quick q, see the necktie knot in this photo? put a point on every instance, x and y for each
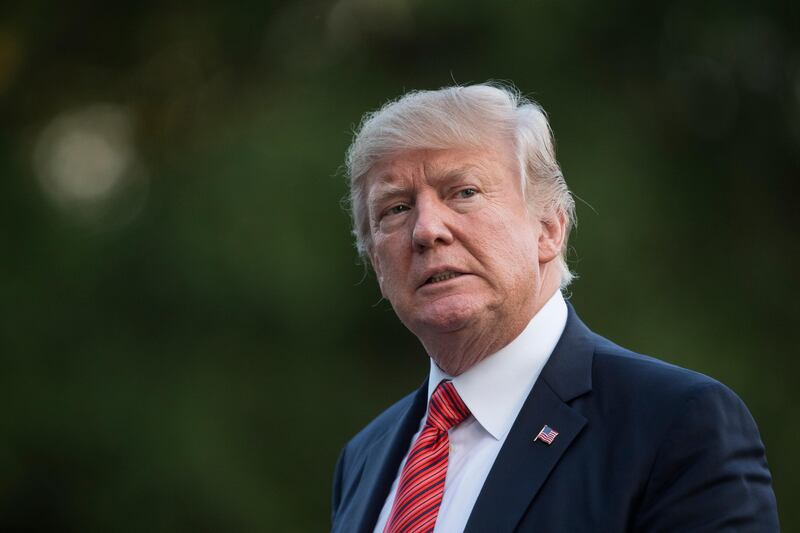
(446, 408)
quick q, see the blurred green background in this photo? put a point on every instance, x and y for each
(186, 336)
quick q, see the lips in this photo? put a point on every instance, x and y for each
(449, 274)
(433, 276)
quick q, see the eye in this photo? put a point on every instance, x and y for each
(396, 209)
(469, 192)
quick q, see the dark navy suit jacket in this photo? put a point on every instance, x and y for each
(642, 445)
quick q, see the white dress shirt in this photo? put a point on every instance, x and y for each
(494, 390)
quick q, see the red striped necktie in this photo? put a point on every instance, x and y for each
(419, 493)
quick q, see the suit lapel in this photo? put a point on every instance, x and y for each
(523, 465)
(381, 465)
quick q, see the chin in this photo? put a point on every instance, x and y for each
(445, 315)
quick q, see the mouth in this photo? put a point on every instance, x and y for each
(442, 276)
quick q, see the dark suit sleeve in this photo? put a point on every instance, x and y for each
(710, 473)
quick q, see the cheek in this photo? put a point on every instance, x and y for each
(513, 258)
(510, 239)
(390, 269)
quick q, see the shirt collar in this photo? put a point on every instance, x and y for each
(496, 387)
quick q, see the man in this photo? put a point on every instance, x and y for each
(528, 421)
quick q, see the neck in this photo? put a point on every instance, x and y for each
(455, 352)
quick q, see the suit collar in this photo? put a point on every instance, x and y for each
(569, 370)
(524, 464)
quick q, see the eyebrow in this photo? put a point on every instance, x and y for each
(388, 188)
(461, 171)
(383, 191)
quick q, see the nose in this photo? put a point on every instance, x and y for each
(432, 225)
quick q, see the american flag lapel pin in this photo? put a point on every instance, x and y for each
(547, 435)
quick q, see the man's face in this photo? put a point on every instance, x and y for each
(453, 244)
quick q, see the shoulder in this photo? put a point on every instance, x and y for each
(693, 436)
(352, 457)
(379, 426)
(656, 403)
(616, 369)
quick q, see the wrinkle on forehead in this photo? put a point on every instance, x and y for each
(393, 173)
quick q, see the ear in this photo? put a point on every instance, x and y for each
(553, 231)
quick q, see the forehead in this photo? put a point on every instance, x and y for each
(400, 169)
